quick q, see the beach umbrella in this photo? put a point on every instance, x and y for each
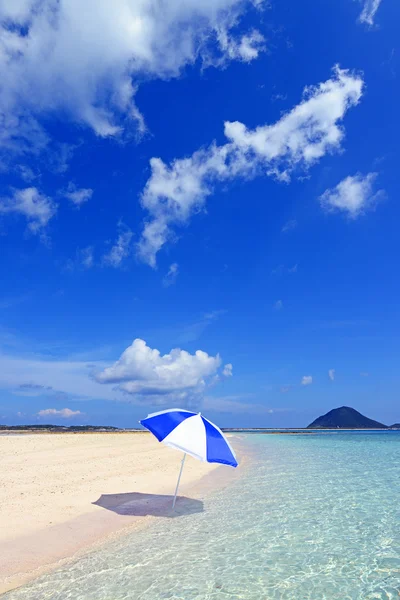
(191, 433)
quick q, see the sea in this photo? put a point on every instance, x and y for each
(312, 517)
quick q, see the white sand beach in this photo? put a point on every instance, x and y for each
(62, 493)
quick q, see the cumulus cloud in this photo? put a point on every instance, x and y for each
(120, 250)
(174, 377)
(63, 413)
(78, 196)
(175, 192)
(353, 195)
(369, 11)
(171, 276)
(85, 58)
(31, 204)
(306, 380)
(331, 374)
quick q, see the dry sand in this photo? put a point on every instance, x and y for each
(50, 483)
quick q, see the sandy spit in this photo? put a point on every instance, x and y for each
(61, 494)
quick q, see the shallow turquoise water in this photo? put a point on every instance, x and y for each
(315, 517)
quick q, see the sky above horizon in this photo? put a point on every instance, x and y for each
(198, 208)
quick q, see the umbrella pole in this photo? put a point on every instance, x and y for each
(179, 479)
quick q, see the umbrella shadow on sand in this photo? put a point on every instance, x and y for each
(156, 505)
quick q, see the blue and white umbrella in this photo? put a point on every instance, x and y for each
(193, 434)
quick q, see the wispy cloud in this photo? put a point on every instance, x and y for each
(281, 269)
(31, 204)
(227, 370)
(84, 259)
(63, 413)
(193, 331)
(278, 305)
(170, 277)
(289, 226)
(41, 376)
(77, 196)
(370, 8)
(306, 380)
(353, 195)
(120, 250)
(175, 192)
(285, 389)
(237, 404)
(331, 374)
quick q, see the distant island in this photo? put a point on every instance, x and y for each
(346, 417)
(59, 428)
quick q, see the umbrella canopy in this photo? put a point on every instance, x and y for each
(191, 433)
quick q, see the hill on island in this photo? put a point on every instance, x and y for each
(345, 418)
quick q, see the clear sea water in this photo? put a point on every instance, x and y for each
(315, 517)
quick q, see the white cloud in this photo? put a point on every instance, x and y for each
(120, 250)
(369, 11)
(77, 195)
(245, 48)
(289, 226)
(174, 193)
(85, 58)
(331, 374)
(354, 195)
(278, 305)
(64, 413)
(227, 370)
(141, 374)
(177, 376)
(171, 276)
(306, 380)
(30, 203)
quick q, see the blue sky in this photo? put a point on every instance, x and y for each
(198, 208)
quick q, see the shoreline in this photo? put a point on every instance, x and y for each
(46, 548)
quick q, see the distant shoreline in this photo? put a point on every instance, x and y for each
(33, 430)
